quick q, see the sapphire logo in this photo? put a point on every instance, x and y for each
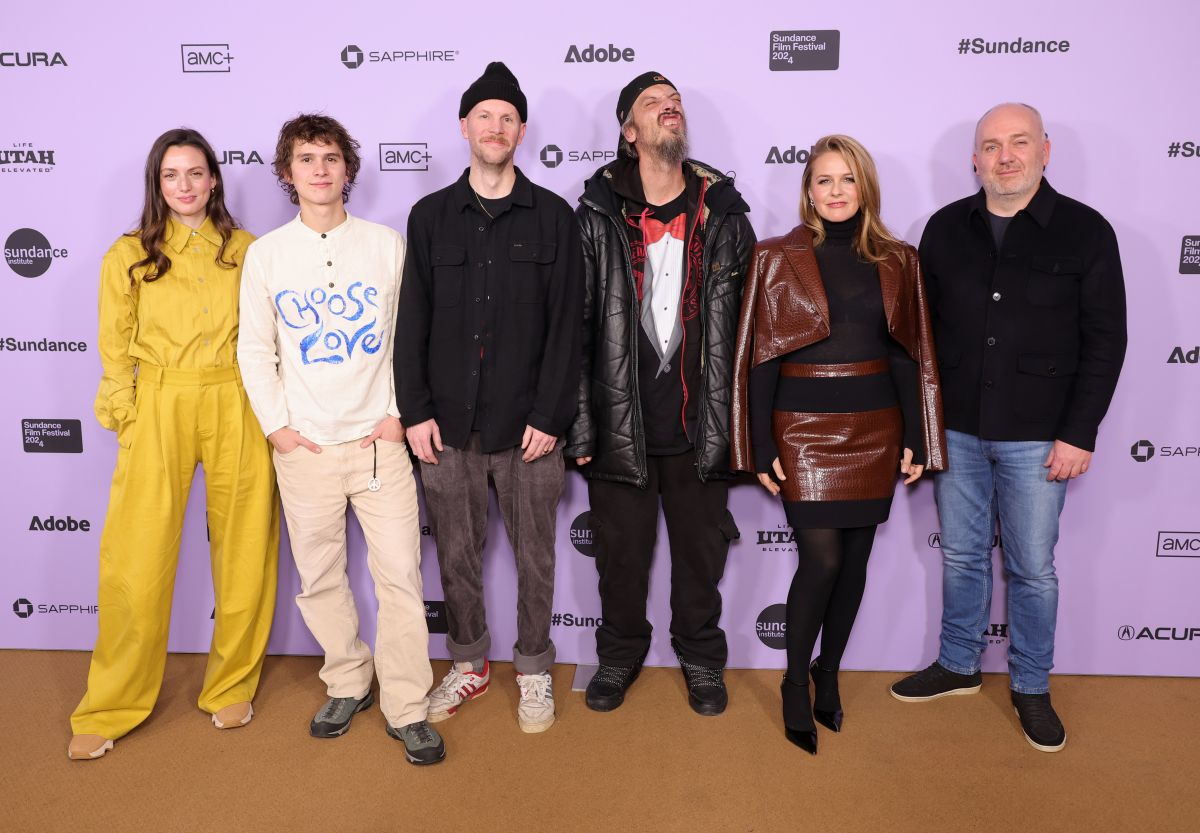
(23, 608)
(552, 156)
(205, 57)
(352, 57)
(582, 537)
(771, 627)
(1142, 450)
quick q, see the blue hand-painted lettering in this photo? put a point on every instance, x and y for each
(317, 311)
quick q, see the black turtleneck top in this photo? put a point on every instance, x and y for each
(857, 333)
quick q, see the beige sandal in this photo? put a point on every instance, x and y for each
(231, 717)
(88, 747)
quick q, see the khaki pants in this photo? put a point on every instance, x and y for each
(315, 489)
(184, 418)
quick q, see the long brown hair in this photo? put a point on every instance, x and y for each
(874, 242)
(152, 229)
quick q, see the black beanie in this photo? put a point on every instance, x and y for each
(496, 82)
(635, 88)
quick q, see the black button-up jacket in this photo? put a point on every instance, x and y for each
(490, 316)
(1030, 337)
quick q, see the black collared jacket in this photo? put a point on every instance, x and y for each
(608, 426)
(1031, 336)
(490, 316)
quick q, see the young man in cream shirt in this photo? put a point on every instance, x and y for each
(318, 299)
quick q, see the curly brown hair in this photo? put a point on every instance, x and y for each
(320, 129)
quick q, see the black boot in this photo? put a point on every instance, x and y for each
(827, 703)
(798, 716)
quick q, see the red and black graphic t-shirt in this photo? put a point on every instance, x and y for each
(667, 246)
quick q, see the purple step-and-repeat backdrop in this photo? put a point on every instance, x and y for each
(85, 90)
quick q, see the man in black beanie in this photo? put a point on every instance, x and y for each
(667, 245)
(487, 363)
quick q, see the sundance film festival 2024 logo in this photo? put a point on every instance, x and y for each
(796, 50)
(435, 616)
(29, 253)
(52, 436)
(1189, 255)
(26, 158)
(353, 56)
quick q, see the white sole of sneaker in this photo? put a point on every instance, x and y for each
(93, 755)
(438, 717)
(1039, 747)
(535, 728)
(951, 693)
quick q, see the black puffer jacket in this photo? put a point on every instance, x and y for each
(608, 425)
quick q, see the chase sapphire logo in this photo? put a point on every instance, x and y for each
(352, 57)
(551, 156)
(1142, 450)
(23, 608)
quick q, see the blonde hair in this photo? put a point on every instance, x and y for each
(874, 242)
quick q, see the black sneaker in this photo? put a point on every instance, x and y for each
(333, 720)
(422, 743)
(1039, 722)
(934, 682)
(606, 691)
(706, 687)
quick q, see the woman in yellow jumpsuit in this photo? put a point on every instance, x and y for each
(172, 392)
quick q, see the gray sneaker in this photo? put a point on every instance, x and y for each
(333, 720)
(422, 743)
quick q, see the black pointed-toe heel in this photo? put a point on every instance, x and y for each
(827, 705)
(798, 715)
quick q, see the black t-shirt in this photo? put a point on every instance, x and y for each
(999, 226)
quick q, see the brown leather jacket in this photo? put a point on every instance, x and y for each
(784, 308)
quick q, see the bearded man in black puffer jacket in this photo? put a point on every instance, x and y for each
(666, 248)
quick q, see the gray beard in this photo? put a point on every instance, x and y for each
(673, 149)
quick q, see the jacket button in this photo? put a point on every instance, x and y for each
(1052, 370)
(991, 342)
(987, 384)
(995, 296)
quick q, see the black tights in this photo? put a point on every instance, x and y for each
(825, 594)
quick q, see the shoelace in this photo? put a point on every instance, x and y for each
(332, 711)
(422, 733)
(613, 674)
(534, 686)
(457, 682)
(699, 677)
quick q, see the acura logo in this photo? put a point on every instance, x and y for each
(1125, 632)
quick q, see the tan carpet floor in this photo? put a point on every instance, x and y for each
(1132, 761)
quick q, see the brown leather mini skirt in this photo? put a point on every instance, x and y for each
(845, 456)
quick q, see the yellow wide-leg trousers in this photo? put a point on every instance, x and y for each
(183, 418)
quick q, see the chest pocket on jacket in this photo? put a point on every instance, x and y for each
(1053, 281)
(529, 273)
(447, 263)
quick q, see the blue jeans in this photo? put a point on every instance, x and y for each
(986, 479)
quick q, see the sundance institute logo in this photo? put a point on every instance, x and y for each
(771, 627)
(582, 538)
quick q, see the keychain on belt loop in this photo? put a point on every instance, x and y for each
(374, 484)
